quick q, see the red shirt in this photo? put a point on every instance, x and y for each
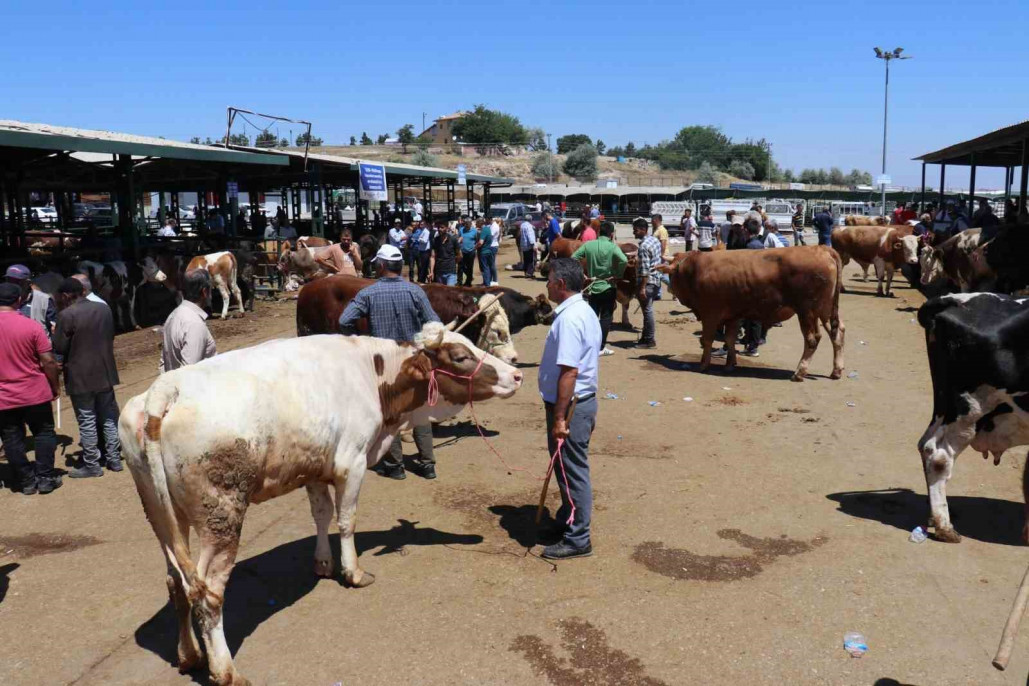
(589, 234)
(22, 381)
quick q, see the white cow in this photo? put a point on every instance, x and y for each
(208, 440)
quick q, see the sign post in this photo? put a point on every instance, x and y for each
(462, 175)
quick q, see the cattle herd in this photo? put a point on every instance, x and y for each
(205, 441)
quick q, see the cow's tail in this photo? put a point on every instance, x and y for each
(152, 485)
(834, 317)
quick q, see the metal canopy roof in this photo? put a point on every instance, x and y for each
(16, 134)
(394, 168)
(1000, 148)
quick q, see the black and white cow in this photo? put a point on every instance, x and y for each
(978, 345)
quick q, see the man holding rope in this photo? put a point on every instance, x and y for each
(568, 370)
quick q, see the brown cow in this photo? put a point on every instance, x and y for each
(222, 268)
(768, 286)
(886, 247)
(952, 260)
(862, 220)
(312, 242)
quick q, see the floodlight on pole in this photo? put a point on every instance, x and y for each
(886, 56)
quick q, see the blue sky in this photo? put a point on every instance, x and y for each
(802, 75)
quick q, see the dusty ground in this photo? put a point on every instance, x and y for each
(737, 537)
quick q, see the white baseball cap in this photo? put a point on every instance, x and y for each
(389, 253)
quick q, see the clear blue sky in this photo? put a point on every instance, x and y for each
(802, 74)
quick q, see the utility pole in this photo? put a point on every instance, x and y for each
(886, 57)
(423, 121)
(550, 154)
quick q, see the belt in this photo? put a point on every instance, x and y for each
(579, 398)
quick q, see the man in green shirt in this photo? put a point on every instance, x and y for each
(605, 263)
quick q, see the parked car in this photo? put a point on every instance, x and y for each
(535, 218)
(80, 211)
(42, 214)
(509, 212)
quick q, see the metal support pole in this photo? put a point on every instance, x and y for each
(485, 199)
(943, 177)
(921, 203)
(1023, 185)
(450, 200)
(886, 105)
(971, 187)
(469, 191)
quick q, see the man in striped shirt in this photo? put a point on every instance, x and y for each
(648, 281)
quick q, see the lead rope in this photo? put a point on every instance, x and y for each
(433, 399)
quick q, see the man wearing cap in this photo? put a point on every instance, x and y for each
(84, 338)
(35, 304)
(397, 310)
(29, 380)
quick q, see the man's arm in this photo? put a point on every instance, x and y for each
(421, 301)
(618, 262)
(63, 333)
(327, 264)
(565, 390)
(355, 255)
(195, 344)
(53, 374)
(356, 310)
(580, 252)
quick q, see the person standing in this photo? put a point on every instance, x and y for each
(725, 228)
(527, 246)
(443, 267)
(705, 233)
(772, 238)
(280, 216)
(568, 370)
(35, 304)
(343, 257)
(605, 262)
(797, 224)
(397, 310)
(187, 340)
(168, 230)
(421, 250)
(822, 221)
(589, 233)
(752, 329)
(84, 339)
(487, 258)
(553, 229)
(29, 380)
(87, 289)
(648, 282)
(469, 237)
(689, 233)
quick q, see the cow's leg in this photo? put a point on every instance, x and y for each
(190, 656)
(321, 510)
(732, 329)
(939, 447)
(809, 329)
(234, 285)
(625, 312)
(348, 487)
(223, 289)
(707, 338)
(880, 274)
(836, 337)
(889, 278)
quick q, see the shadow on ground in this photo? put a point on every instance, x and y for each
(272, 581)
(985, 519)
(690, 362)
(5, 581)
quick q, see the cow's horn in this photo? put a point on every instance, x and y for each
(437, 342)
(451, 325)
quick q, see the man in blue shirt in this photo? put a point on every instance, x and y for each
(397, 310)
(823, 225)
(487, 258)
(469, 237)
(568, 370)
(553, 228)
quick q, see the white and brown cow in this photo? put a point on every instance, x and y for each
(977, 359)
(954, 261)
(208, 440)
(222, 268)
(888, 248)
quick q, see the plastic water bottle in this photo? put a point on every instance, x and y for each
(917, 535)
(854, 643)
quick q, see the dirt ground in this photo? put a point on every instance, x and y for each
(737, 537)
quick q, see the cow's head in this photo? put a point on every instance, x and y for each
(931, 262)
(151, 272)
(542, 310)
(495, 336)
(907, 246)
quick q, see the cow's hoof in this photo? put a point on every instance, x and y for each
(189, 663)
(323, 568)
(947, 536)
(799, 377)
(836, 374)
(358, 579)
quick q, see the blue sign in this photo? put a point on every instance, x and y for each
(373, 182)
(462, 178)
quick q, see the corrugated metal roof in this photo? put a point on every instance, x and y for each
(620, 191)
(17, 134)
(1000, 148)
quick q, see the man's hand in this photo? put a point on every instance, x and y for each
(560, 430)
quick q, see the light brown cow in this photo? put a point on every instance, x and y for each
(862, 220)
(953, 260)
(887, 248)
(767, 286)
(222, 268)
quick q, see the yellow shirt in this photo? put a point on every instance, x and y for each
(661, 234)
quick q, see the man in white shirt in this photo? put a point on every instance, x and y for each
(568, 370)
(187, 339)
(772, 237)
(418, 209)
(539, 206)
(87, 288)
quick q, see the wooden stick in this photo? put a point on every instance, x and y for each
(546, 482)
(1007, 639)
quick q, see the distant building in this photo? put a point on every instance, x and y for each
(442, 130)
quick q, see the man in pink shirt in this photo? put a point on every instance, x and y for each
(590, 232)
(28, 382)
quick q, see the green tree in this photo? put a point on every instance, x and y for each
(568, 143)
(741, 169)
(821, 177)
(544, 166)
(490, 130)
(787, 176)
(701, 143)
(616, 151)
(757, 153)
(353, 141)
(283, 143)
(582, 162)
(381, 140)
(195, 140)
(239, 139)
(630, 149)
(365, 140)
(537, 139)
(423, 158)
(836, 177)
(405, 135)
(809, 176)
(302, 140)
(423, 142)
(706, 173)
(266, 139)
(600, 147)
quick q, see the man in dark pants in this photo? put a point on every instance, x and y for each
(397, 310)
(443, 266)
(568, 369)
(754, 333)
(28, 382)
(84, 339)
(605, 262)
(468, 237)
(648, 280)
(822, 222)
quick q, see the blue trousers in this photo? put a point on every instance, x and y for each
(488, 266)
(575, 452)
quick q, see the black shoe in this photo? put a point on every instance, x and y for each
(566, 551)
(115, 465)
(646, 345)
(29, 488)
(426, 470)
(49, 484)
(86, 472)
(724, 352)
(394, 472)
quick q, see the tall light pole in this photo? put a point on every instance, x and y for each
(886, 57)
(550, 154)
